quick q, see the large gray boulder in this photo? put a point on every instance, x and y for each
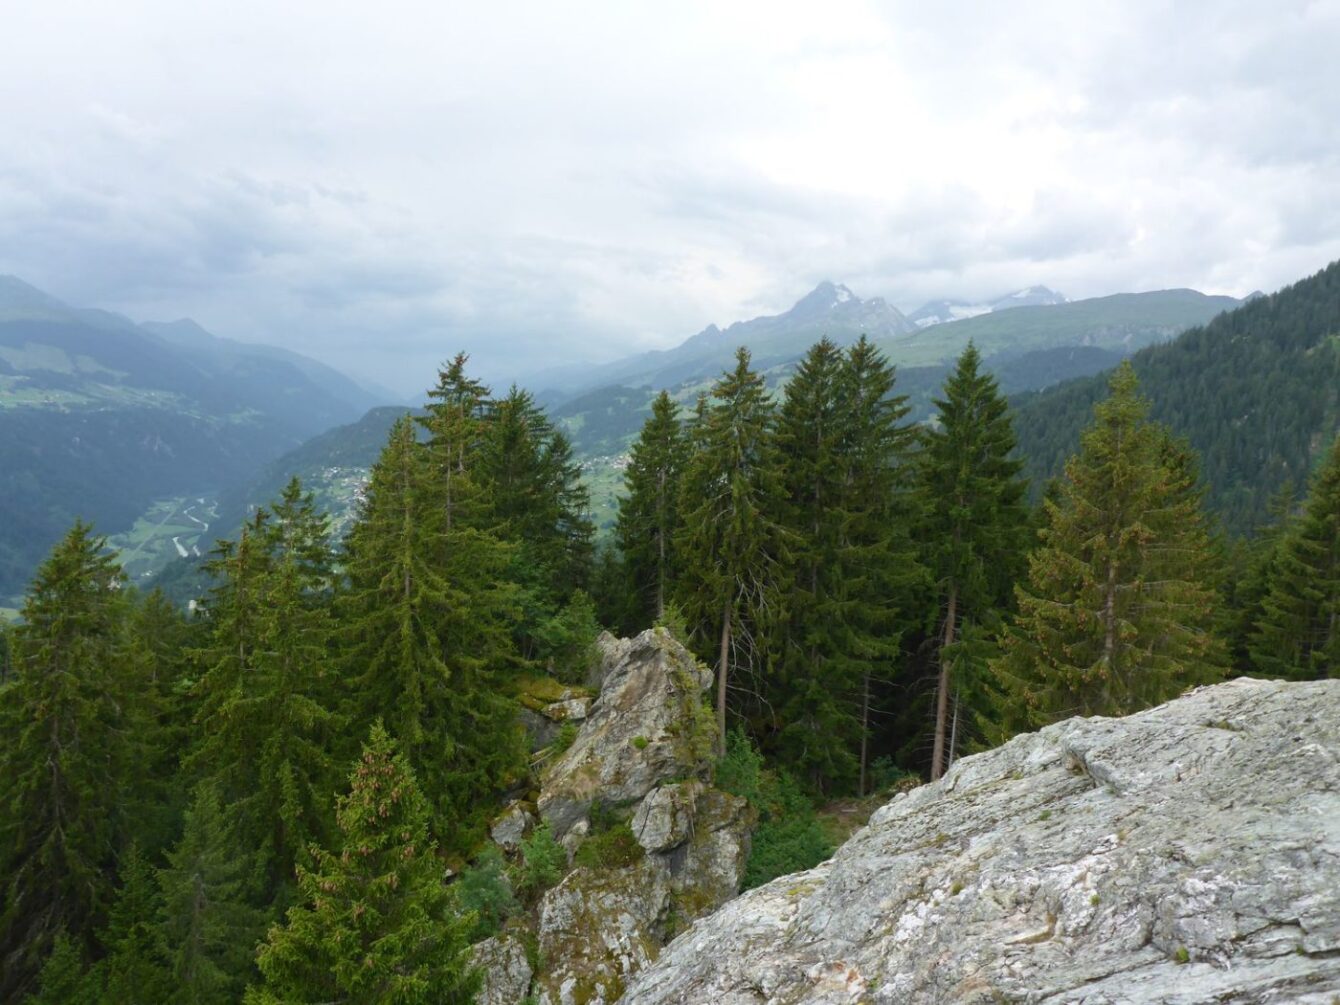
(646, 727)
(1187, 854)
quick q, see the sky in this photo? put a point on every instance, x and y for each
(380, 185)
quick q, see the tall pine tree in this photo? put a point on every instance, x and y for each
(206, 928)
(267, 701)
(425, 636)
(65, 765)
(1118, 611)
(975, 520)
(649, 511)
(731, 545)
(376, 921)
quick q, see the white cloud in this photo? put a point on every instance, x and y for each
(381, 184)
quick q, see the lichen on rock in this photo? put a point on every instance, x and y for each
(1156, 858)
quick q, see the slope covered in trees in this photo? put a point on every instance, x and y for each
(174, 787)
(1256, 392)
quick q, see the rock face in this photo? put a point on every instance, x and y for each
(633, 780)
(642, 730)
(1190, 853)
(505, 969)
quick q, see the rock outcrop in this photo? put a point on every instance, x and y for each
(664, 847)
(646, 727)
(1190, 853)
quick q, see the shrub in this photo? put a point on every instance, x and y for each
(614, 848)
(740, 771)
(567, 735)
(484, 889)
(788, 837)
(543, 862)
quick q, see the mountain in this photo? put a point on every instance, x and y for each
(1256, 391)
(943, 311)
(829, 309)
(1027, 347)
(1123, 322)
(102, 418)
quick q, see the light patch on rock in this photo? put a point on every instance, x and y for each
(1187, 854)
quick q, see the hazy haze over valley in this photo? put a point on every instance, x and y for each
(379, 187)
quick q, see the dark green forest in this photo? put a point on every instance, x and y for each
(1256, 392)
(260, 801)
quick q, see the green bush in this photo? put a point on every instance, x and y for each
(484, 890)
(543, 862)
(567, 735)
(740, 771)
(568, 639)
(614, 848)
(788, 837)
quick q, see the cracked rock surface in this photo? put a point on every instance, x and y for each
(1186, 854)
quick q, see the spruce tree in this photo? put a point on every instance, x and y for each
(375, 923)
(65, 979)
(206, 928)
(456, 419)
(425, 630)
(975, 521)
(817, 678)
(537, 504)
(884, 578)
(267, 715)
(730, 544)
(649, 511)
(134, 971)
(66, 761)
(1298, 634)
(1118, 611)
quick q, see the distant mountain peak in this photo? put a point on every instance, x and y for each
(941, 311)
(823, 298)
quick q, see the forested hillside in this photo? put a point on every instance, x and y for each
(1256, 391)
(264, 799)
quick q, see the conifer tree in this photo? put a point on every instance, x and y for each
(1117, 614)
(730, 545)
(156, 643)
(883, 576)
(1298, 635)
(134, 970)
(296, 529)
(649, 511)
(65, 763)
(426, 635)
(206, 928)
(65, 979)
(816, 677)
(975, 520)
(375, 923)
(456, 421)
(539, 506)
(266, 716)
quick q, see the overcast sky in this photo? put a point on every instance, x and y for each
(379, 184)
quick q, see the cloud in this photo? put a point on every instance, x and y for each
(536, 183)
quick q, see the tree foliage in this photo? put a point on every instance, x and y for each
(375, 922)
(1118, 610)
